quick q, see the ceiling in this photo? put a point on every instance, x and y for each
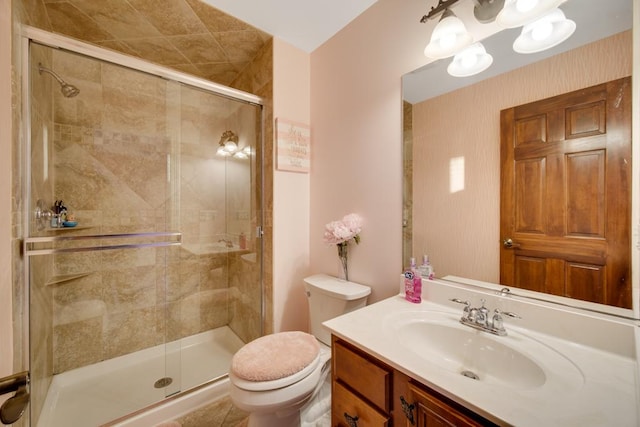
(305, 24)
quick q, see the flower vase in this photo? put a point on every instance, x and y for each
(342, 254)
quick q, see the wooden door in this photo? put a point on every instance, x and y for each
(565, 194)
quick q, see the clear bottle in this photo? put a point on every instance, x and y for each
(426, 269)
(412, 283)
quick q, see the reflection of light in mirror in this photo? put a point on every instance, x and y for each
(456, 174)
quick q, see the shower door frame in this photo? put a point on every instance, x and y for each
(56, 41)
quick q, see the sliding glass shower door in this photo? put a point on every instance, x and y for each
(143, 248)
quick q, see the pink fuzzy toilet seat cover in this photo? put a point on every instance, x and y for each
(275, 356)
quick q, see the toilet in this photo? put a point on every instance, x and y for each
(274, 376)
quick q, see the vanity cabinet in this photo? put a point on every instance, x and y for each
(361, 388)
(432, 410)
(369, 393)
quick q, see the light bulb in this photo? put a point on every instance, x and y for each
(524, 6)
(230, 146)
(222, 152)
(469, 60)
(541, 31)
(240, 155)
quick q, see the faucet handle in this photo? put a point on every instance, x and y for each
(466, 310)
(507, 313)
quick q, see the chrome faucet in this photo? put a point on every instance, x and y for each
(478, 318)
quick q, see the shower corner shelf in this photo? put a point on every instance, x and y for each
(65, 278)
(59, 229)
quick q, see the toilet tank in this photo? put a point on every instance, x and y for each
(331, 297)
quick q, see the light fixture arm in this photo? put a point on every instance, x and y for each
(438, 9)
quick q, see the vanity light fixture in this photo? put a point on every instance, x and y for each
(544, 26)
(228, 146)
(472, 60)
(517, 13)
(544, 33)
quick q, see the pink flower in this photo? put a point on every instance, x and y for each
(338, 232)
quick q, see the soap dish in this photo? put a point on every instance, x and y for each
(70, 223)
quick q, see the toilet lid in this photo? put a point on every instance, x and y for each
(278, 359)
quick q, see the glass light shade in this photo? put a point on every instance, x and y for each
(545, 33)
(448, 37)
(516, 13)
(230, 146)
(470, 61)
(222, 152)
(240, 155)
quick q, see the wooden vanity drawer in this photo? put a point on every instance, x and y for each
(346, 404)
(369, 379)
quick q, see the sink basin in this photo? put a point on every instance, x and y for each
(514, 361)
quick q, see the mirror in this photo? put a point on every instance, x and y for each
(452, 139)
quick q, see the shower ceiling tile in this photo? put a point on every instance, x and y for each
(187, 35)
(156, 50)
(240, 46)
(118, 18)
(223, 72)
(199, 48)
(69, 20)
(174, 18)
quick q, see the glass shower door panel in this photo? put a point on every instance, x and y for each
(103, 160)
(97, 328)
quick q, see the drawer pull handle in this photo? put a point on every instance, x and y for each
(408, 408)
(352, 421)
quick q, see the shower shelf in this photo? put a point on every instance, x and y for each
(56, 230)
(65, 278)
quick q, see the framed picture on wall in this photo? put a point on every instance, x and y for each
(293, 144)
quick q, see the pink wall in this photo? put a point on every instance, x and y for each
(290, 194)
(356, 116)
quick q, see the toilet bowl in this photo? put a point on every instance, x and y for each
(276, 375)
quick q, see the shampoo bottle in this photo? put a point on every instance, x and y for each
(412, 283)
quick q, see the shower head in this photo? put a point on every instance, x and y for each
(68, 91)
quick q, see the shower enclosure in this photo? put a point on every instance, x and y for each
(143, 246)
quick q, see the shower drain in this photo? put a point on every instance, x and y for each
(470, 374)
(163, 382)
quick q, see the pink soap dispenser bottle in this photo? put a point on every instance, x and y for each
(412, 283)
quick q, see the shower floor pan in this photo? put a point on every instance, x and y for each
(102, 392)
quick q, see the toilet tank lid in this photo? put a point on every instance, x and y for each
(337, 288)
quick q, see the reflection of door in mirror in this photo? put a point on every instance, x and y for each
(565, 191)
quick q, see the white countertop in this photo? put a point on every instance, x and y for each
(606, 394)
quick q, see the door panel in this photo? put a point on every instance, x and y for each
(565, 194)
